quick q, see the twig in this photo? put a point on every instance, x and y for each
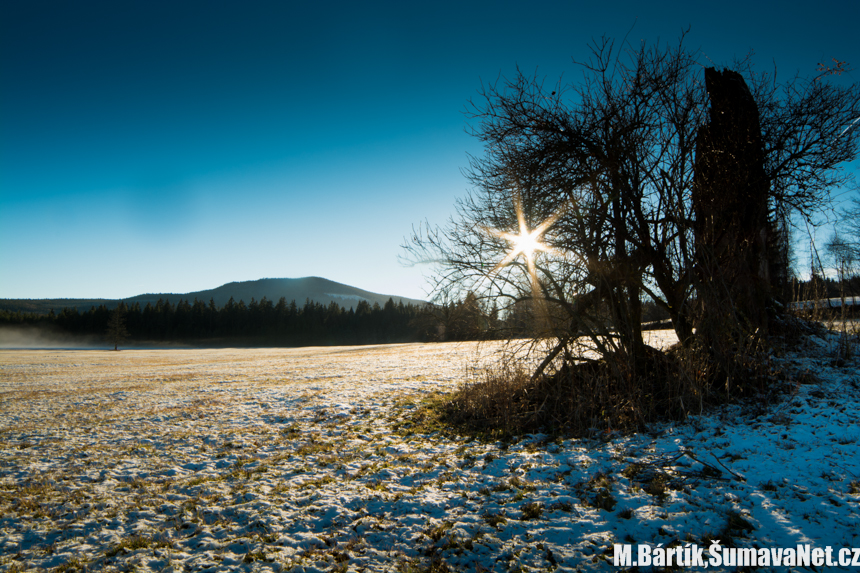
(737, 476)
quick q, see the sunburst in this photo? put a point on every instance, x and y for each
(526, 243)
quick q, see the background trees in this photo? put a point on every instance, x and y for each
(844, 245)
(257, 323)
(606, 170)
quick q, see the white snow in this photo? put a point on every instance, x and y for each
(287, 459)
(824, 303)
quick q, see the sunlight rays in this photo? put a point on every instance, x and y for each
(526, 243)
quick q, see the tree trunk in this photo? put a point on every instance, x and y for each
(730, 203)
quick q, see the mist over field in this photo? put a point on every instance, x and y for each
(12, 337)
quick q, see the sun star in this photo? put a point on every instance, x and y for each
(526, 242)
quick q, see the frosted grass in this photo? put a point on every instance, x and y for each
(289, 460)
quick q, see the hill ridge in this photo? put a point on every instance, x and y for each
(316, 289)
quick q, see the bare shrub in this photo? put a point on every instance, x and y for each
(630, 187)
(585, 397)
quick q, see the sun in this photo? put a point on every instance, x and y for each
(526, 243)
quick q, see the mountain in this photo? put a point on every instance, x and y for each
(316, 289)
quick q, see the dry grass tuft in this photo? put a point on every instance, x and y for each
(618, 393)
(577, 399)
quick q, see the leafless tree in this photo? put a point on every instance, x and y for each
(601, 175)
(849, 238)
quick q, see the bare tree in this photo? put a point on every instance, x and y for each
(843, 255)
(584, 200)
(850, 224)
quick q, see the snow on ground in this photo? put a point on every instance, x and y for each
(288, 460)
(835, 302)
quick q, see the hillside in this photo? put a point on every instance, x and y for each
(314, 288)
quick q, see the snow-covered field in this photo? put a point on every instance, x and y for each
(288, 460)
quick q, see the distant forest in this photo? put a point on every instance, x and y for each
(267, 323)
(819, 288)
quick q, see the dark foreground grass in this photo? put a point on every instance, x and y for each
(598, 397)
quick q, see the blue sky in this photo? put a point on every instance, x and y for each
(176, 146)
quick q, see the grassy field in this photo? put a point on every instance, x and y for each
(306, 460)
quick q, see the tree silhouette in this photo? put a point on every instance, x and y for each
(116, 329)
(607, 179)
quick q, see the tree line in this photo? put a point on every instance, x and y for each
(257, 322)
(283, 323)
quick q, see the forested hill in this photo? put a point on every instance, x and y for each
(261, 322)
(319, 290)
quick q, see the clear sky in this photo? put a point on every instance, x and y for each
(175, 146)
